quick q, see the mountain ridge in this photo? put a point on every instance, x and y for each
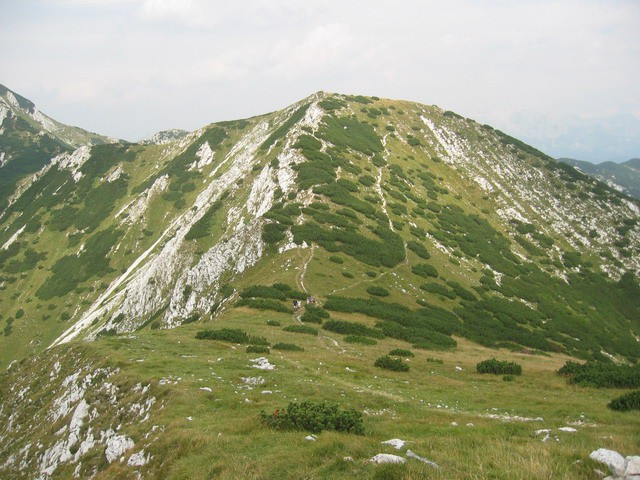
(140, 284)
(624, 176)
(275, 150)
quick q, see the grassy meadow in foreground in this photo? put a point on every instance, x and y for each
(218, 433)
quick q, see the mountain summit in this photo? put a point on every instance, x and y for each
(396, 223)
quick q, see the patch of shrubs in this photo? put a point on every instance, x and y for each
(393, 364)
(499, 367)
(203, 226)
(401, 352)
(626, 402)
(360, 339)
(439, 361)
(352, 328)
(278, 291)
(264, 304)
(315, 417)
(438, 289)
(601, 375)
(233, 335)
(273, 323)
(387, 251)
(418, 249)
(377, 291)
(258, 349)
(424, 270)
(301, 329)
(291, 347)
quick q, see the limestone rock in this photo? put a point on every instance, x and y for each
(395, 442)
(632, 466)
(410, 454)
(611, 459)
(116, 446)
(387, 458)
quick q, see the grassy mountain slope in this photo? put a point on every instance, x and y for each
(29, 139)
(624, 176)
(413, 228)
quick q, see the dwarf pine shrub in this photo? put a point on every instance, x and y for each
(290, 347)
(401, 352)
(360, 339)
(393, 364)
(301, 329)
(499, 367)
(626, 402)
(315, 417)
(601, 375)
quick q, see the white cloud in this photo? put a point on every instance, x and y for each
(164, 8)
(566, 59)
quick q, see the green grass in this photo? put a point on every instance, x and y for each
(227, 437)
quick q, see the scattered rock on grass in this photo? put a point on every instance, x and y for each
(262, 363)
(410, 454)
(568, 429)
(387, 458)
(621, 468)
(395, 442)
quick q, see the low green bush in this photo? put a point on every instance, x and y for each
(301, 329)
(258, 349)
(352, 328)
(360, 339)
(401, 352)
(233, 335)
(393, 364)
(273, 323)
(626, 402)
(418, 249)
(424, 270)
(315, 417)
(601, 375)
(435, 360)
(291, 347)
(377, 291)
(264, 304)
(499, 367)
(309, 317)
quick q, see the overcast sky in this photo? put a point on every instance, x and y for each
(562, 75)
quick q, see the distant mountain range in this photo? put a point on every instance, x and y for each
(624, 177)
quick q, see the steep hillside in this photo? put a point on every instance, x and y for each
(152, 233)
(410, 226)
(624, 176)
(29, 139)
